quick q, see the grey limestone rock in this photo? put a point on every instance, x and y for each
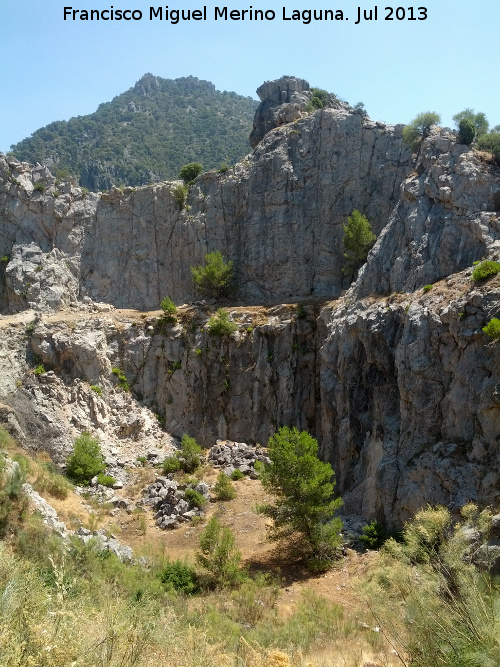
(282, 101)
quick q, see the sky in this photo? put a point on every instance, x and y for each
(54, 69)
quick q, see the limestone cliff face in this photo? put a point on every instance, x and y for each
(445, 219)
(399, 386)
(278, 216)
(409, 399)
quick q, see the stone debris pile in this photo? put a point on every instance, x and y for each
(171, 503)
(231, 456)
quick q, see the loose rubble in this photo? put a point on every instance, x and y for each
(231, 456)
(168, 498)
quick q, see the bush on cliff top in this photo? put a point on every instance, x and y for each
(490, 142)
(419, 128)
(220, 324)
(492, 329)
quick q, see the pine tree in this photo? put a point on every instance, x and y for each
(358, 239)
(303, 487)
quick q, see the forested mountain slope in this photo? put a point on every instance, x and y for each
(146, 134)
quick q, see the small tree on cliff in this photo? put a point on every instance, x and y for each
(190, 171)
(419, 128)
(216, 278)
(358, 239)
(478, 119)
(303, 488)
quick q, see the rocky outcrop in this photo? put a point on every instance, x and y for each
(409, 405)
(282, 101)
(232, 456)
(49, 409)
(445, 219)
(171, 505)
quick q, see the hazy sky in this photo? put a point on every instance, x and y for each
(53, 69)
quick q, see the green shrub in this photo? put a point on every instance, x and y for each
(466, 132)
(87, 460)
(218, 555)
(97, 389)
(374, 535)
(190, 454)
(418, 130)
(12, 500)
(301, 312)
(319, 99)
(195, 498)
(122, 379)
(423, 537)
(39, 187)
(358, 239)
(105, 480)
(321, 95)
(216, 278)
(492, 329)
(427, 288)
(438, 607)
(223, 168)
(223, 487)
(485, 270)
(190, 171)
(23, 462)
(171, 464)
(179, 576)
(490, 142)
(220, 324)
(179, 193)
(237, 475)
(39, 369)
(168, 306)
(478, 121)
(50, 481)
(5, 259)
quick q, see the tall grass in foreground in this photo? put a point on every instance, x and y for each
(74, 605)
(71, 604)
(432, 602)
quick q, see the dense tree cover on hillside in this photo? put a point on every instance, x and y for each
(146, 134)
